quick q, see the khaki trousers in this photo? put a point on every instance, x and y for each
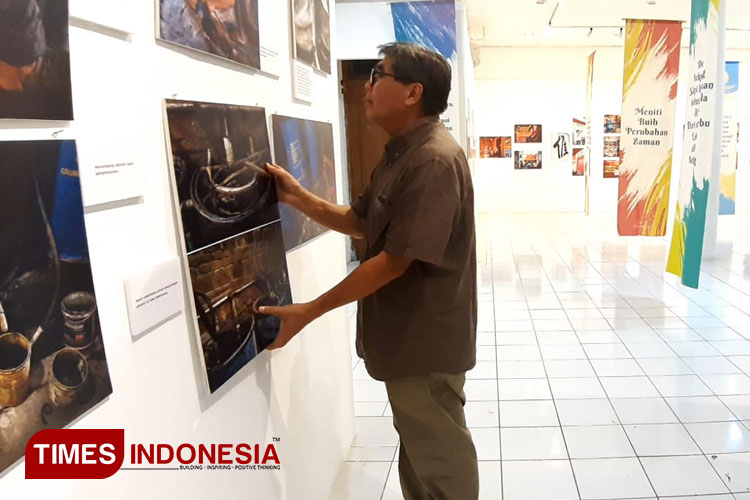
(437, 458)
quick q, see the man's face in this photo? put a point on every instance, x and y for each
(387, 97)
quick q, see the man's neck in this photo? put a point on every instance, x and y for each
(401, 124)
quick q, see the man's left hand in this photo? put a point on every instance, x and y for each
(293, 319)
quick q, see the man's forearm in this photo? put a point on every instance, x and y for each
(340, 218)
(369, 277)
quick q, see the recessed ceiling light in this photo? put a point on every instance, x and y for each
(541, 2)
(651, 2)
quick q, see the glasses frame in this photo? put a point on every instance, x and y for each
(375, 71)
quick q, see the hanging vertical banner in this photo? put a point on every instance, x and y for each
(433, 25)
(704, 76)
(587, 145)
(649, 90)
(729, 140)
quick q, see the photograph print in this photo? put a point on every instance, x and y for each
(305, 149)
(224, 28)
(611, 124)
(231, 280)
(612, 146)
(527, 160)
(578, 162)
(219, 154)
(528, 134)
(579, 132)
(53, 367)
(560, 146)
(34, 60)
(495, 147)
(611, 169)
(311, 33)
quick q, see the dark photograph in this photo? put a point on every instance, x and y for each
(34, 60)
(231, 280)
(52, 362)
(219, 153)
(225, 28)
(305, 149)
(311, 31)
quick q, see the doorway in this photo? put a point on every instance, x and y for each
(364, 141)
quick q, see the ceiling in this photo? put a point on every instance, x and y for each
(512, 23)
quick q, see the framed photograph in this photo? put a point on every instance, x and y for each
(227, 29)
(612, 147)
(35, 60)
(611, 169)
(311, 33)
(229, 217)
(494, 147)
(579, 132)
(611, 124)
(305, 149)
(47, 296)
(528, 160)
(528, 134)
(578, 162)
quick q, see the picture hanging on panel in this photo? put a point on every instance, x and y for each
(611, 124)
(612, 146)
(611, 169)
(495, 147)
(34, 60)
(230, 221)
(230, 281)
(220, 152)
(578, 162)
(579, 132)
(528, 134)
(225, 28)
(311, 33)
(305, 149)
(52, 362)
(525, 160)
(560, 146)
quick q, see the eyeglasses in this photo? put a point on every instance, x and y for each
(376, 74)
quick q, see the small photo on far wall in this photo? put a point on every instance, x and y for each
(494, 147)
(525, 134)
(612, 147)
(611, 169)
(578, 163)
(611, 124)
(526, 160)
(579, 132)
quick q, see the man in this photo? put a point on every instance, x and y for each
(22, 42)
(416, 320)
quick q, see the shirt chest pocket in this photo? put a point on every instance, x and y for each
(379, 216)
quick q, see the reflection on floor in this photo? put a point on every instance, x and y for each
(598, 375)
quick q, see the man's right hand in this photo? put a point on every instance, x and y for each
(288, 189)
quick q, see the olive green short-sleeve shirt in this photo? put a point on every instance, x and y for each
(420, 204)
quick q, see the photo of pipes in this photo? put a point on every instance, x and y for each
(52, 362)
(34, 60)
(219, 153)
(225, 28)
(231, 280)
(305, 149)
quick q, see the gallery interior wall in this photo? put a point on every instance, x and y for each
(518, 85)
(301, 394)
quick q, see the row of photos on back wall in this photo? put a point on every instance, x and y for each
(53, 366)
(527, 157)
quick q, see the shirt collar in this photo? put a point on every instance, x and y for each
(399, 142)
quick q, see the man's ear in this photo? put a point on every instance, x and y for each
(415, 94)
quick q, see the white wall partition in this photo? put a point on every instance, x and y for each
(301, 394)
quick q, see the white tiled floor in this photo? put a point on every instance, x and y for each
(598, 375)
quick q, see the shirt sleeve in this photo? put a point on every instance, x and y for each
(422, 213)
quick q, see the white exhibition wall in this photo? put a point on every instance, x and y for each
(546, 85)
(301, 394)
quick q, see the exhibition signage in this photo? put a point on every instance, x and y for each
(587, 145)
(705, 78)
(729, 128)
(652, 63)
(433, 25)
